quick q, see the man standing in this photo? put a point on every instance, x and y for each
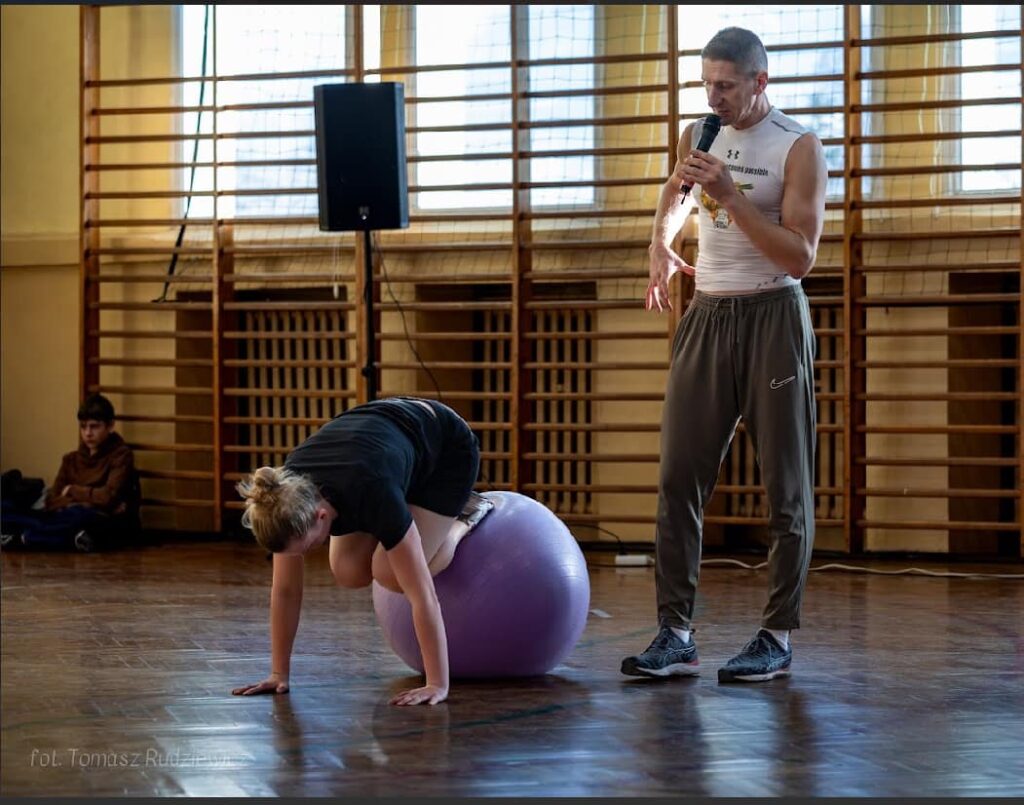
(744, 348)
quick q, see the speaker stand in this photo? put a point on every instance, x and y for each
(369, 371)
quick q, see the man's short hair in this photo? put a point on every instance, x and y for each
(96, 407)
(739, 46)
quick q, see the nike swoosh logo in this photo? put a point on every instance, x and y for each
(778, 384)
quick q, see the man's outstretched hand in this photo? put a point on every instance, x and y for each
(663, 264)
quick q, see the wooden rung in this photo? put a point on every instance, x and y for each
(985, 396)
(483, 365)
(938, 461)
(149, 250)
(455, 279)
(289, 306)
(955, 363)
(632, 489)
(555, 245)
(821, 522)
(281, 249)
(171, 448)
(127, 195)
(286, 363)
(624, 396)
(132, 334)
(563, 275)
(920, 105)
(575, 214)
(426, 306)
(297, 335)
(603, 304)
(939, 525)
(317, 422)
(169, 391)
(610, 489)
(101, 223)
(570, 517)
(917, 170)
(274, 451)
(177, 279)
(876, 332)
(589, 335)
(596, 458)
(451, 395)
(938, 429)
(922, 72)
(966, 234)
(151, 362)
(479, 246)
(591, 427)
(931, 136)
(937, 493)
(934, 201)
(574, 517)
(943, 300)
(300, 394)
(274, 420)
(274, 279)
(198, 419)
(179, 475)
(658, 366)
(152, 307)
(178, 503)
(459, 336)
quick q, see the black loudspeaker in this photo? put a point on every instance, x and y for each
(360, 156)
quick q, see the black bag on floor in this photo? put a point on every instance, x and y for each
(19, 491)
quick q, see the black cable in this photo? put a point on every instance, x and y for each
(401, 312)
(195, 155)
(408, 337)
(618, 539)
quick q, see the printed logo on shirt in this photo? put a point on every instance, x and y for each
(778, 384)
(719, 215)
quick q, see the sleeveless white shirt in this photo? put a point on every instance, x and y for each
(756, 158)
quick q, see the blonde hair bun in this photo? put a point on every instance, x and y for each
(279, 505)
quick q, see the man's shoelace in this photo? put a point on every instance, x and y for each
(663, 640)
(760, 646)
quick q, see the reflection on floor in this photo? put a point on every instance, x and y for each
(117, 670)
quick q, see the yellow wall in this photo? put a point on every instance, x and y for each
(39, 227)
(39, 171)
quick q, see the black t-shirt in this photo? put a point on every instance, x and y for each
(365, 460)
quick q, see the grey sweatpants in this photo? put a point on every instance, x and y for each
(750, 357)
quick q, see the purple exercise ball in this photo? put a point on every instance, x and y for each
(515, 598)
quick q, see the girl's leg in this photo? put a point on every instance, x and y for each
(351, 558)
(439, 534)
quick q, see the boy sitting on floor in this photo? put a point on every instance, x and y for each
(94, 501)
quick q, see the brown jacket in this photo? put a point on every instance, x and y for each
(104, 481)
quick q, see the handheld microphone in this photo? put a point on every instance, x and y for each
(712, 124)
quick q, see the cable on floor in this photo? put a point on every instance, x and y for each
(908, 571)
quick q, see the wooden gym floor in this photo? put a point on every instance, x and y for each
(117, 670)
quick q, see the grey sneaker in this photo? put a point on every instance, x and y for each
(667, 655)
(763, 658)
